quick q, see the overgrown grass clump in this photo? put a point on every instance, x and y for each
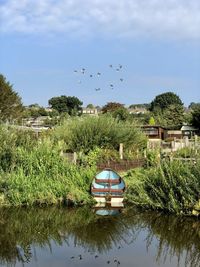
(171, 186)
(40, 175)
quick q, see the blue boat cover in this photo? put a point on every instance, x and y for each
(107, 174)
(121, 185)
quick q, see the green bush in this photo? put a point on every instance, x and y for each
(10, 139)
(87, 133)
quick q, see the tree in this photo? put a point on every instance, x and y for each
(91, 106)
(196, 116)
(111, 107)
(163, 101)
(174, 115)
(152, 121)
(11, 107)
(67, 104)
(167, 109)
(121, 114)
(193, 105)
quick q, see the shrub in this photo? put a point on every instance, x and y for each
(86, 133)
(172, 186)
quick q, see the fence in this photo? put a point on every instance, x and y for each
(122, 165)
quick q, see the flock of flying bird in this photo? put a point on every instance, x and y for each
(83, 71)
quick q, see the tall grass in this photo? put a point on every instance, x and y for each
(42, 176)
(171, 186)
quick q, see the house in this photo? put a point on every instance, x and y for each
(137, 110)
(90, 111)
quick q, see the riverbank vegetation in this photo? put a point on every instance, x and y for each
(34, 171)
(170, 186)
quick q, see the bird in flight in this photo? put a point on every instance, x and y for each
(97, 89)
(110, 65)
(120, 66)
(121, 79)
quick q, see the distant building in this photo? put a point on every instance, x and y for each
(189, 131)
(90, 111)
(137, 110)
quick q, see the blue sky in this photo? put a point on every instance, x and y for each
(157, 42)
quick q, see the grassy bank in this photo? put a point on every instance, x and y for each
(38, 174)
(170, 186)
(33, 171)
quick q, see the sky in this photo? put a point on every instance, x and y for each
(152, 45)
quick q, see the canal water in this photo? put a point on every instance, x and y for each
(92, 237)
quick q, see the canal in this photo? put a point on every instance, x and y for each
(59, 236)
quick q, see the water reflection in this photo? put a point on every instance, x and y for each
(112, 209)
(22, 230)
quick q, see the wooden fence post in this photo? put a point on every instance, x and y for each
(75, 157)
(121, 150)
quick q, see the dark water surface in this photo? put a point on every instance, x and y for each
(80, 237)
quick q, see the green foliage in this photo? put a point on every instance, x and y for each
(10, 103)
(35, 111)
(172, 116)
(121, 114)
(85, 134)
(196, 116)
(163, 101)
(193, 105)
(187, 152)
(68, 104)
(10, 139)
(33, 172)
(152, 121)
(42, 176)
(171, 187)
(153, 157)
(90, 106)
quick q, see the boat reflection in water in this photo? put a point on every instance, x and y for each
(105, 209)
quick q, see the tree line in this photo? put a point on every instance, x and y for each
(166, 109)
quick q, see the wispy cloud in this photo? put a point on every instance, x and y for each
(123, 18)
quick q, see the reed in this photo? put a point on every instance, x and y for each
(171, 186)
(43, 176)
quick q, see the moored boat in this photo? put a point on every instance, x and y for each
(108, 186)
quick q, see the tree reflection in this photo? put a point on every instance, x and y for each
(22, 229)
